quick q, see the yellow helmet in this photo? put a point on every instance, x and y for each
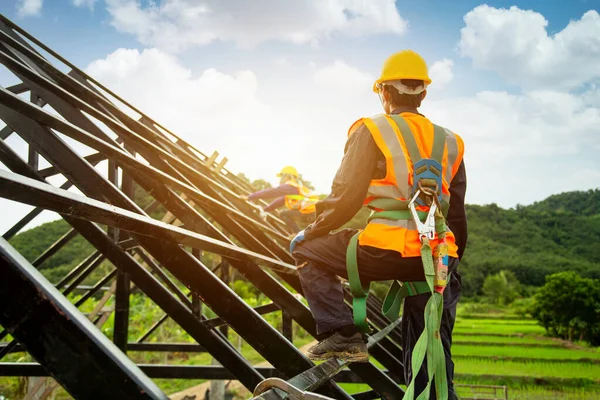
(289, 170)
(405, 64)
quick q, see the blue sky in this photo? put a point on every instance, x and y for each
(269, 83)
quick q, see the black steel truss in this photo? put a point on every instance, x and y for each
(150, 256)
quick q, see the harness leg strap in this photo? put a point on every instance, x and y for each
(360, 291)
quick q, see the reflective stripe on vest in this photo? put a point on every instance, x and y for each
(452, 148)
(385, 132)
(302, 201)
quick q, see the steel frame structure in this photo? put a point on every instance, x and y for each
(157, 257)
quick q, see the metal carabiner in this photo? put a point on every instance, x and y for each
(426, 229)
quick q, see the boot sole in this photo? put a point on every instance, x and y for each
(345, 356)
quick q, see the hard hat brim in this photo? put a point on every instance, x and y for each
(397, 78)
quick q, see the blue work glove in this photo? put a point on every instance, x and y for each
(297, 239)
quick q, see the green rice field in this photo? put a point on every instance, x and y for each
(501, 349)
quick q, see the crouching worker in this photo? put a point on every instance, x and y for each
(410, 173)
(291, 193)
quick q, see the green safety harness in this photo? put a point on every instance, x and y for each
(426, 191)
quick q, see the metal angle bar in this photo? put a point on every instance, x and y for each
(84, 274)
(262, 310)
(5, 132)
(27, 312)
(107, 278)
(169, 371)
(26, 190)
(89, 287)
(18, 88)
(219, 346)
(152, 328)
(368, 395)
(129, 244)
(167, 347)
(92, 159)
(121, 324)
(54, 248)
(9, 348)
(77, 270)
(163, 277)
(33, 213)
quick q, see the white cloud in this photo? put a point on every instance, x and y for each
(29, 8)
(282, 62)
(521, 148)
(515, 44)
(212, 106)
(441, 73)
(341, 77)
(87, 3)
(174, 25)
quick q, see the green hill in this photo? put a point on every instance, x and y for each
(557, 234)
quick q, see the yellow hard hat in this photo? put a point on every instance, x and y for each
(405, 64)
(289, 170)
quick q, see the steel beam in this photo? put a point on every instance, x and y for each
(220, 349)
(30, 302)
(171, 371)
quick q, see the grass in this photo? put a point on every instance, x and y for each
(494, 347)
(523, 340)
(541, 369)
(524, 352)
(537, 393)
(494, 321)
(496, 327)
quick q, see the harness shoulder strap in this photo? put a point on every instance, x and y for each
(439, 143)
(409, 138)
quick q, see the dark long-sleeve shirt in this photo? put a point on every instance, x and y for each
(278, 193)
(363, 162)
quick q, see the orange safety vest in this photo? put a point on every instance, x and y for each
(402, 235)
(303, 201)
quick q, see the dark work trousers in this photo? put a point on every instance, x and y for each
(321, 261)
(291, 216)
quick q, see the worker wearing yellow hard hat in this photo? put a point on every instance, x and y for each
(291, 193)
(410, 173)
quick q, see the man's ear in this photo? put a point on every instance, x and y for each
(386, 94)
(423, 94)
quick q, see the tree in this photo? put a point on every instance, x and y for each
(501, 288)
(306, 183)
(261, 184)
(568, 307)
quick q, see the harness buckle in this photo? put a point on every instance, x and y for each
(426, 229)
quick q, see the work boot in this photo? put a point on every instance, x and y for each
(350, 348)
